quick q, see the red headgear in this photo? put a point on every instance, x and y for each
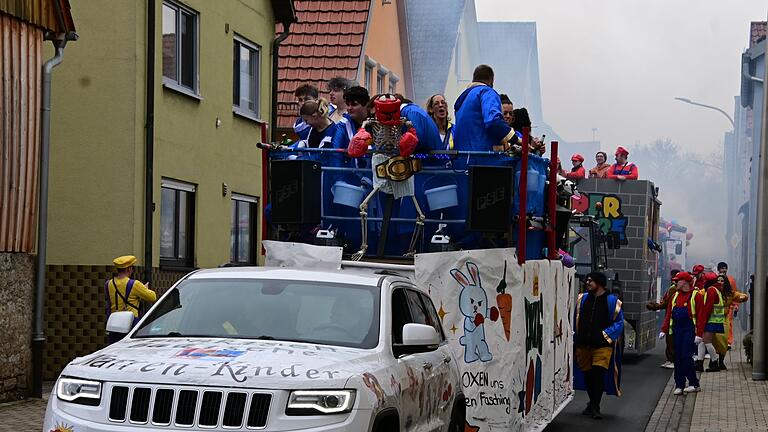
(387, 110)
(683, 276)
(622, 150)
(577, 157)
(698, 268)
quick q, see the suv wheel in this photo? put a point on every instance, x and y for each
(458, 416)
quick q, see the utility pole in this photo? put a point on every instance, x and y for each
(761, 251)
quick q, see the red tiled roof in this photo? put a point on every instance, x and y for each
(326, 42)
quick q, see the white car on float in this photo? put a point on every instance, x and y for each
(270, 349)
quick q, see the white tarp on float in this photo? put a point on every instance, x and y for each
(510, 327)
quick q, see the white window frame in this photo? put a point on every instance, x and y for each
(370, 65)
(175, 84)
(251, 200)
(393, 80)
(381, 77)
(256, 84)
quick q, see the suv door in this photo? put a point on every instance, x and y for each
(445, 379)
(419, 374)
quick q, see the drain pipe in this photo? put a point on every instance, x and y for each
(149, 142)
(38, 332)
(275, 58)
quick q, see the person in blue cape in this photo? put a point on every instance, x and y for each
(598, 333)
(480, 124)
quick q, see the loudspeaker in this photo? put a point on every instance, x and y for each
(295, 191)
(490, 198)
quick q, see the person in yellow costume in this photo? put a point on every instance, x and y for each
(124, 292)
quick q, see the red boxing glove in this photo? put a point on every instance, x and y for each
(479, 319)
(494, 314)
(358, 146)
(408, 143)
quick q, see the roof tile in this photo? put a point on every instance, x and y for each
(326, 42)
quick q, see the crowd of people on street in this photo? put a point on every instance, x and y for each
(699, 307)
(485, 121)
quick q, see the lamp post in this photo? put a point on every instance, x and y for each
(688, 101)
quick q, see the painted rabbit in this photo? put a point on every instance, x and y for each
(473, 304)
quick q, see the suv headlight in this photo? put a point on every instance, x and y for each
(79, 391)
(314, 402)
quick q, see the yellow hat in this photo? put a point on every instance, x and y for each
(124, 261)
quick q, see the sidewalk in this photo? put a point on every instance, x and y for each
(25, 415)
(729, 401)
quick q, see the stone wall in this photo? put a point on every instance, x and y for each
(635, 263)
(17, 272)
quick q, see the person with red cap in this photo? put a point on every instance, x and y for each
(699, 277)
(680, 320)
(623, 169)
(577, 172)
(711, 319)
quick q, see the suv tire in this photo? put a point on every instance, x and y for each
(458, 415)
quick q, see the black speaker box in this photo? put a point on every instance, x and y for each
(490, 198)
(295, 191)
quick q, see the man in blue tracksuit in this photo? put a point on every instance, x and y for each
(480, 124)
(680, 321)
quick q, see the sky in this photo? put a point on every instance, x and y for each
(617, 65)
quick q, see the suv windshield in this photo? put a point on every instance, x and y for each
(300, 311)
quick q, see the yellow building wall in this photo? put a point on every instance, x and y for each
(96, 93)
(97, 165)
(383, 43)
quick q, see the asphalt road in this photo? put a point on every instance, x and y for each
(642, 384)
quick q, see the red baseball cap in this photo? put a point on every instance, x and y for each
(682, 276)
(622, 150)
(577, 157)
(698, 268)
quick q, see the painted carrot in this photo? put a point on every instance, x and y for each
(504, 301)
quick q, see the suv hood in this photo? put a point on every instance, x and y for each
(224, 362)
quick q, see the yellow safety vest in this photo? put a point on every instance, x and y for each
(718, 310)
(693, 309)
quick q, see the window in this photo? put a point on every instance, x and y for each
(244, 229)
(245, 73)
(177, 209)
(300, 311)
(393, 80)
(409, 306)
(380, 78)
(179, 47)
(368, 76)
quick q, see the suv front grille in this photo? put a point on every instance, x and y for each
(206, 408)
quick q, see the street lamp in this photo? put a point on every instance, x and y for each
(688, 101)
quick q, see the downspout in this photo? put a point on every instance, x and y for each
(38, 332)
(275, 59)
(149, 141)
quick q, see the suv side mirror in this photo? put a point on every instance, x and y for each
(417, 338)
(120, 322)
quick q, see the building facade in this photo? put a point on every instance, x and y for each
(192, 113)
(23, 25)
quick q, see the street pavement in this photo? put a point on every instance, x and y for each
(642, 382)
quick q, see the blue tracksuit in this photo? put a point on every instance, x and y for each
(479, 122)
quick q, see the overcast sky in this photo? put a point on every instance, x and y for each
(617, 65)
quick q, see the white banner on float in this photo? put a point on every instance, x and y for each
(510, 328)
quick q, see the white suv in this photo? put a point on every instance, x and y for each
(270, 349)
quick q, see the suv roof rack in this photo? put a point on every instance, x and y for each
(379, 266)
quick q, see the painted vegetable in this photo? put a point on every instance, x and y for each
(504, 301)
